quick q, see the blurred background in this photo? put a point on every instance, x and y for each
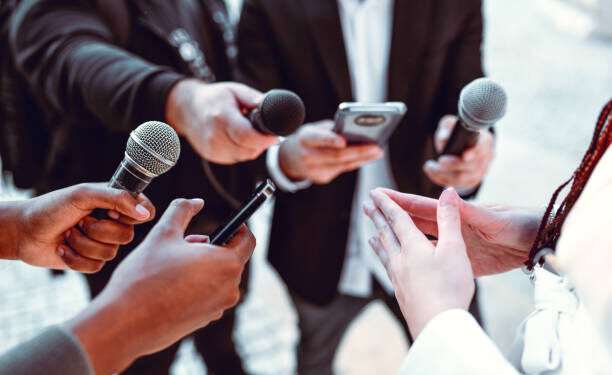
(554, 57)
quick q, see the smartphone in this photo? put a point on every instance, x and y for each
(368, 123)
(227, 230)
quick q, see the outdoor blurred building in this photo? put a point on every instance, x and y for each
(554, 57)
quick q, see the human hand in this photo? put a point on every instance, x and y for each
(318, 154)
(463, 172)
(428, 279)
(165, 289)
(498, 237)
(210, 117)
(55, 230)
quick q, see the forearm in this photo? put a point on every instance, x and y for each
(86, 72)
(11, 214)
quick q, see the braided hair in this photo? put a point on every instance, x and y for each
(552, 222)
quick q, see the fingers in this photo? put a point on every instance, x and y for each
(78, 262)
(197, 238)
(321, 135)
(351, 154)
(401, 224)
(246, 96)
(449, 222)
(483, 150)
(107, 231)
(88, 197)
(416, 205)
(386, 235)
(177, 217)
(88, 248)
(380, 250)
(143, 200)
(241, 133)
(444, 131)
(243, 244)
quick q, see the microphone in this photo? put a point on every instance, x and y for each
(152, 149)
(481, 104)
(281, 112)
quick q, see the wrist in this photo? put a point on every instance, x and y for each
(11, 229)
(285, 165)
(179, 98)
(104, 331)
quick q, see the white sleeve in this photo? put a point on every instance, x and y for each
(454, 343)
(280, 179)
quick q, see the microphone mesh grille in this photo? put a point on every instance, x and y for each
(482, 103)
(161, 139)
(282, 112)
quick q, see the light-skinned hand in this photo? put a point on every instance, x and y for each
(318, 154)
(168, 287)
(465, 172)
(428, 279)
(210, 116)
(498, 237)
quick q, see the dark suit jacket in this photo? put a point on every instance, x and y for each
(298, 45)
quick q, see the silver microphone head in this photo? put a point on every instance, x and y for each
(154, 146)
(482, 103)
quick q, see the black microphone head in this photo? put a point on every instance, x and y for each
(282, 112)
(482, 103)
(154, 146)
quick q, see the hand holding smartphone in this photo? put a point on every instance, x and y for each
(227, 230)
(361, 123)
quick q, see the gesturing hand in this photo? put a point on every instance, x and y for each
(210, 117)
(318, 154)
(427, 279)
(463, 172)
(55, 231)
(498, 237)
(168, 287)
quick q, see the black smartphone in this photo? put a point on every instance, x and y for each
(226, 231)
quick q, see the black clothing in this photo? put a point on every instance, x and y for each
(108, 84)
(298, 45)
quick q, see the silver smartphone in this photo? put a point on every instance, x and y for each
(368, 122)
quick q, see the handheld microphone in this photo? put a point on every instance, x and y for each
(152, 149)
(481, 104)
(281, 112)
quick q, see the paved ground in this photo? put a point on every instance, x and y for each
(557, 82)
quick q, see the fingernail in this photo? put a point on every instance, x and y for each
(142, 211)
(60, 251)
(114, 214)
(443, 134)
(197, 200)
(469, 156)
(67, 234)
(448, 198)
(430, 164)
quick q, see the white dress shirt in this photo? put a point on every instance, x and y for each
(367, 27)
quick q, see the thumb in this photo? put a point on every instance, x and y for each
(177, 217)
(246, 96)
(321, 135)
(449, 221)
(444, 131)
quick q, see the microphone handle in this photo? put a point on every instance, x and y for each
(254, 116)
(460, 140)
(127, 177)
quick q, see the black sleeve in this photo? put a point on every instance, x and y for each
(465, 60)
(70, 60)
(258, 64)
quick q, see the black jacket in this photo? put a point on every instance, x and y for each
(107, 84)
(298, 45)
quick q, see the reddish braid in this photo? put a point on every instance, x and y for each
(550, 227)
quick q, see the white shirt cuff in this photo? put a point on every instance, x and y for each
(283, 182)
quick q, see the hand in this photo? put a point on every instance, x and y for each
(465, 172)
(498, 237)
(55, 231)
(165, 289)
(427, 279)
(318, 154)
(210, 117)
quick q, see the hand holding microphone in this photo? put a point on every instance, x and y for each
(464, 142)
(216, 118)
